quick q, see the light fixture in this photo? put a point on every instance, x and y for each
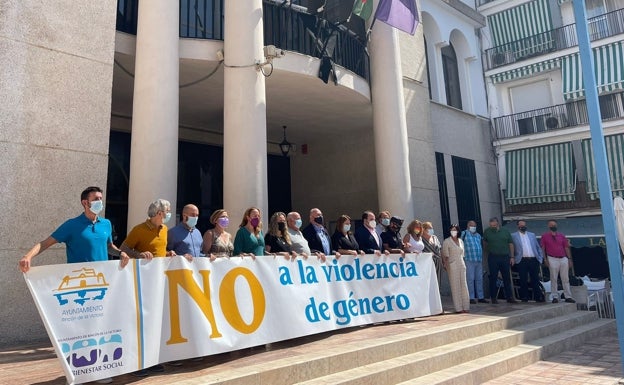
(285, 145)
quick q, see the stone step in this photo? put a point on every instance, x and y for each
(314, 364)
(495, 365)
(450, 355)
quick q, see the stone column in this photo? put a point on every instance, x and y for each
(244, 110)
(389, 123)
(154, 148)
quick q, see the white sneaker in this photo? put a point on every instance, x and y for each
(104, 381)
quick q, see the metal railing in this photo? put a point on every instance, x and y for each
(284, 27)
(556, 117)
(600, 27)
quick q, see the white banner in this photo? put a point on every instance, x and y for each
(105, 321)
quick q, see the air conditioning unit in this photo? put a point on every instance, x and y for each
(556, 121)
(498, 58)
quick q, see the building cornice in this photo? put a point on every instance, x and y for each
(466, 10)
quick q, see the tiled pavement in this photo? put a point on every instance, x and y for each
(597, 362)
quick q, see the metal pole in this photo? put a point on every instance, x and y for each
(602, 170)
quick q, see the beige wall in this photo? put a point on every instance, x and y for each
(56, 66)
(467, 136)
(337, 175)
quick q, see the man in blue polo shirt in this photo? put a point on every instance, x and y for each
(88, 237)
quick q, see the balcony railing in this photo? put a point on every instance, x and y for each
(600, 27)
(285, 27)
(557, 117)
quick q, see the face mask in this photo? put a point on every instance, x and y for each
(472, 229)
(346, 228)
(319, 220)
(167, 217)
(281, 226)
(522, 228)
(298, 223)
(96, 207)
(453, 233)
(373, 224)
(223, 222)
(385, 221)
(553, 228)
(417, 231)
(254, 222)
(430, 232)
(191, 221)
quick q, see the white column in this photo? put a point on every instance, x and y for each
(389, 123)
(244, 110)
(154, 148)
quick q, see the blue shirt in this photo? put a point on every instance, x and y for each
(324, 239)
(86, 241)
(473, 250)
(184, 241)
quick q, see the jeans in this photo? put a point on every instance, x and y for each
(474, 277)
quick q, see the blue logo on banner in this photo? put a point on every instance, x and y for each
(94, 354)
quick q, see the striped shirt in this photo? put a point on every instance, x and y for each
(473, 250)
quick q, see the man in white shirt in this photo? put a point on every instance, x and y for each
(528, 257)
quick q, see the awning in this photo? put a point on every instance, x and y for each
(509, 25)
(525, 71)
(614, 145)
(608, 70)
(540, 174)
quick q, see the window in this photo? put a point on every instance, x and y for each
(597, 19)
(445, 212)
(465, 177)
(451, 77)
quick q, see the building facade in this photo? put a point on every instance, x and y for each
(189, 101)
(539, 115)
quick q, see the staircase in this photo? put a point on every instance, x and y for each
(448, 349)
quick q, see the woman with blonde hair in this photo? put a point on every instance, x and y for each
(413, 238)
(432, 245)
(217, 241)
(277, 240)
(249, 240)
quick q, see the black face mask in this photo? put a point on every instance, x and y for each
(319, 220)
(281, 226)
(553, 228)
(522, 228)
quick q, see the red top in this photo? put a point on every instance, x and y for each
(554, 244)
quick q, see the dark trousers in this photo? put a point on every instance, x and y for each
(500, 263)
(529, 267)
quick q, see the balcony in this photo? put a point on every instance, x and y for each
(288, 28)
(600, 27)
(557, 117)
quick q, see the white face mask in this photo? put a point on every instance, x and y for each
(430, 232)
(191, 221)
(167, 217)
(96, 206)
(372, 224)
(385, 221)
(346, 228)
(472, 229)
(453, 233)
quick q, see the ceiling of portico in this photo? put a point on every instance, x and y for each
(306, 105)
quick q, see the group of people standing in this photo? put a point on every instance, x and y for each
(88, 237)
(504, 250)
